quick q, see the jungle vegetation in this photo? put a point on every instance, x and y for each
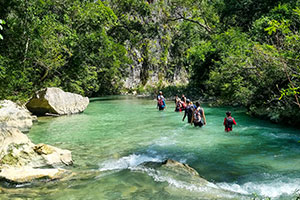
(242, 53)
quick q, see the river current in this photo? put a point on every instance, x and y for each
(115, 135)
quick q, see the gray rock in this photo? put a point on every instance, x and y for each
(15, 116)
(56, 101)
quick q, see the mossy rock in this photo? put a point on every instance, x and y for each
(43, 149)
(9, 159)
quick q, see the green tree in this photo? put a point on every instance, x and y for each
(1, 27)
(62, 44)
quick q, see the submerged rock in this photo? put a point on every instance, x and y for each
(56, 101)
(15, 116)
(52, 155)
(17, 152)
(179, 167)
(28, 174)
(174, 170)
(182, 179)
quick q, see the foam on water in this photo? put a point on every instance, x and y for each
(165, 141)
(134, 161)
(128, 162)
(159, 177)
(273, 189)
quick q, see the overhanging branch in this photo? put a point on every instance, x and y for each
(207, 28)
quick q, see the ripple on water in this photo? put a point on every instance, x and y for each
(116, 135)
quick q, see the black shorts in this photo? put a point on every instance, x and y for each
(161, 108)
(200, 124)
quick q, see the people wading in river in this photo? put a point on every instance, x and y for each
(198, 116)
(188, 111)
(161, 103)
(228, 122)
(177, 104)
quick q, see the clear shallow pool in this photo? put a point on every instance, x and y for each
(116, 134)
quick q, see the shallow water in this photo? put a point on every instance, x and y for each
(115, 135)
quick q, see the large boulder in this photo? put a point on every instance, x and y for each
(17, 152)
(56, 101)
(15, 116)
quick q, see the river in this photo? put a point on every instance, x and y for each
(116, 134)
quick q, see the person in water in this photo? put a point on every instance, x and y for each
(176, 99)
(198, 116)
(160, 95)
(161, 103)
(183, 99)
(189, 109)
(179, 105)
(228, 122)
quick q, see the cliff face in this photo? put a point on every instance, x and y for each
(151, 40)
(151, 73)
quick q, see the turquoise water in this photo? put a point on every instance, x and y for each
(115, 135)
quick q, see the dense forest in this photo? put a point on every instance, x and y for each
(243, 53)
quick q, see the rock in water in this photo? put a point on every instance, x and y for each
(28, 174)
(174, 170)
(19, 154)
(14, 116)
(182, 179)
(179, 167)
(56, 101)
(52, 155)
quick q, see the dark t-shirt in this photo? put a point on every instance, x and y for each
(189, 112)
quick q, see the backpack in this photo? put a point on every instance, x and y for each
(183, 105)
(160, 102)
(229, 122)
(197, 116)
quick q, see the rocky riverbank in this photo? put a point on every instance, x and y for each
(20, 159)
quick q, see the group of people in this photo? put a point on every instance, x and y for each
(194, 112)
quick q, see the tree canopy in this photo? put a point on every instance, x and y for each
(241, 52)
